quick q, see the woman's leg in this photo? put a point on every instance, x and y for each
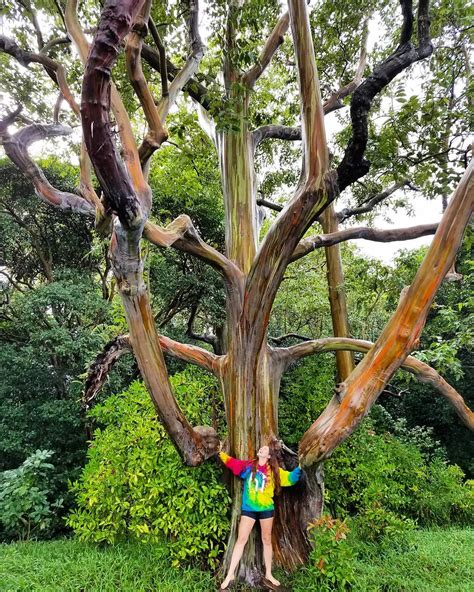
(266, 527)
(245, 528)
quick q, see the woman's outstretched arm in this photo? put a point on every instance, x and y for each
(288, 478)
(233, 464)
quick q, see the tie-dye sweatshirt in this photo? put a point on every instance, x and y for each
(258, 488)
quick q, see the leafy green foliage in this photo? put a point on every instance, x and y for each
(47, 338)
(26, 501)
(331, 561)
(384, 480)
(135, 485)
(305, 390)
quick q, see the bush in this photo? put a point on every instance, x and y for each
(375, 470)
(377, 526)
(26, 507)
(135, 485)
(330, 565)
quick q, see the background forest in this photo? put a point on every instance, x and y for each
(98, 477)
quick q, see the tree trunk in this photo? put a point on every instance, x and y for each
(337, 294)
(251, 391)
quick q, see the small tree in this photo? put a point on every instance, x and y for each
(248, 367)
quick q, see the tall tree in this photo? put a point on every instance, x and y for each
(249, 368)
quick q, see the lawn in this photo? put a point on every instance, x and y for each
(436, 560)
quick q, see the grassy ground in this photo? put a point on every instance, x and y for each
(438, 560)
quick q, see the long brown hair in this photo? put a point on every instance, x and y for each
(274, 467)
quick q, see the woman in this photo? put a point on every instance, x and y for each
(262, 479)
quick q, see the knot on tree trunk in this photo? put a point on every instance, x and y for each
(206, 444)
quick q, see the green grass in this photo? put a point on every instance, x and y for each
(71, 566)
(436, 560)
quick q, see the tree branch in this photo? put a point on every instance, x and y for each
(353, 165)
(369, 205)
(206, 338)
(39, 35)
(400, 336)
(317, 187)
(420, 370)
(312, 243)
(282, 338)
(162, 51)
(335, 100)
(121, 345)
(16, 148)
(25, 58)
(293, 134)
(276, 132)
(195, 89)
(273, 42)
(156, 134)
(192, 354)
(196, 48)
(101, 367)
(270, 205)
(182, 235)
(130, 150)
(131, 202)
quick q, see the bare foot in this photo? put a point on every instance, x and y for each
(273, 580)
(225, 584)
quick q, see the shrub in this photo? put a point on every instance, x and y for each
(331, 560)
(135, 485)
(378, 526)
(375, 470)
(26, 508)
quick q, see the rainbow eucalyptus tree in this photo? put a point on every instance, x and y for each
(248, 367)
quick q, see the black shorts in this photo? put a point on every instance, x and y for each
(262, 515)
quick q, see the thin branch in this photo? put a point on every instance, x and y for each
(195, 89)
(389, 235)
(206, 338)
(270, 205)
(52, 43)
(16, 148)
(420, 370)
(282, 338)
(156, 134)
(162, 51)
(293, 134)
(196, 48)
(39, 35)
(353, 165)
(369, 205)
(25, 58)
(276, 38)
(335, 100)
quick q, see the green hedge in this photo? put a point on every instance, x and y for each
(135, 485)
